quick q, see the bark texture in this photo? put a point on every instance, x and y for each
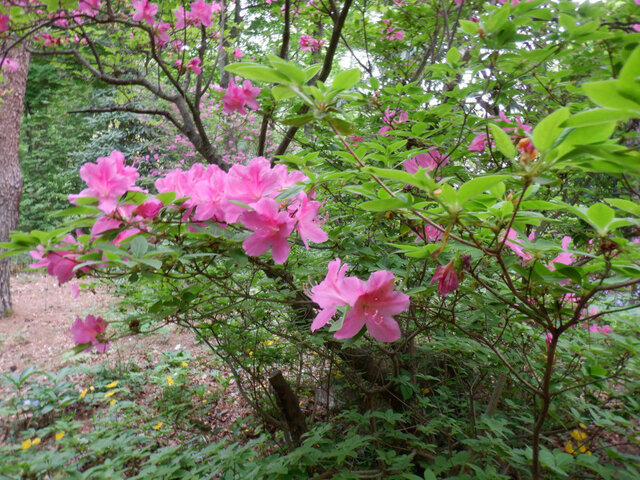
(11, 103)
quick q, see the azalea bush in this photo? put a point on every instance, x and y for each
(443, 244)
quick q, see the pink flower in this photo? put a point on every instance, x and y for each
(373, 303)
(355, 139)
(161, 36)
(565, 258)
(517, 249)
(75, 289)
(181, 17)
(195, 64)
(548, 338)
(9, 65)
(144, 11)
(447, 279)
(59, 263)
(271, 228)
(429, 161)
(305, 213)
(107, 180)
(237, 97)
(307, 42)
(201, 13)
(376, 304)
(209, 196)
(383, 131)
(431, 234)
(635, 27)
(398, 35)
(4, 22)
(90, 331)
(238, 54)
(595, 328)
(479, 143)
(149, 209)
(89, 7)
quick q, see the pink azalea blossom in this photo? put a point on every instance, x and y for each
(195, 64)
(59, 263)
(355, 139)
(548, 338)
(271, 228)
(372, 303)
(595, 328)
(236, 97)
(307, 42)
(89, 7)
(90, 331)
(305, 213)
(144, 11)
(383, 131)
(161, 36)
(238, 54)
(479, 143)
(4, 22)
(209, 196)
(201, 13)
(181, 17)
(149, 209)
(517, 249)
(429, 161)
(565, 258)
(635, 27)
(9, 65)
(447, 279)
(107, 179)
(431, 234)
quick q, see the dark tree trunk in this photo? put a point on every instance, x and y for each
(11, 103)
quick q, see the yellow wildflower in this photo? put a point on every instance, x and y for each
(569, 447)
(158, 426)
(112, 402)
(185, 364)
(83, 393)
(26, 444)
(425, 390)
(113, 384)
(578, 435)
(170, 381)
(109, 394)
(60, 435)
(35, 441)
(91, 388)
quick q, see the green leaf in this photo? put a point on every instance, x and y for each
(293, 73)
(549, 129)
(257, 72)
(343, 127)
(503, 141)
(420, 179)
(630, 207)
(453, 56)
(606, 94)
(600, 216)
(383, 205)
(298, 120)
(630, 73)
(478, 185)
(469, 27)
(347, 79)
(281, 92)
(166, 197)
(597, 116)
(139, 246)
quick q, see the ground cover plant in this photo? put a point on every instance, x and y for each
(419, 217)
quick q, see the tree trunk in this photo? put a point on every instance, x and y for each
(11, 103)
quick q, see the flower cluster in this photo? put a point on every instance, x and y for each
(372, 303)
(199, 15)
(429, 161)
(307, 42)
(90, 331)
(237, 97)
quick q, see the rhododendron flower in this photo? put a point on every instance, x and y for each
(548, 338)
(161, 36)
(479, 143)
(181, 17)
(517, 249)
(144, 11)
(271, 228)
(447, 278)
(9, 65)
(307, 42)
(431, 234)
(429, 161)
(209, 196)
(4, 22)
(90, 331)
(372, 303)
(236, 97)
(107, 179)
(89, 7)
(201, 12)
(195, 64)
(595, 328)
(59, 263)
(238, 54)
(305, 213)
(565, 258)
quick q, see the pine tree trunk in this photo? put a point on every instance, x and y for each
(11, 103)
